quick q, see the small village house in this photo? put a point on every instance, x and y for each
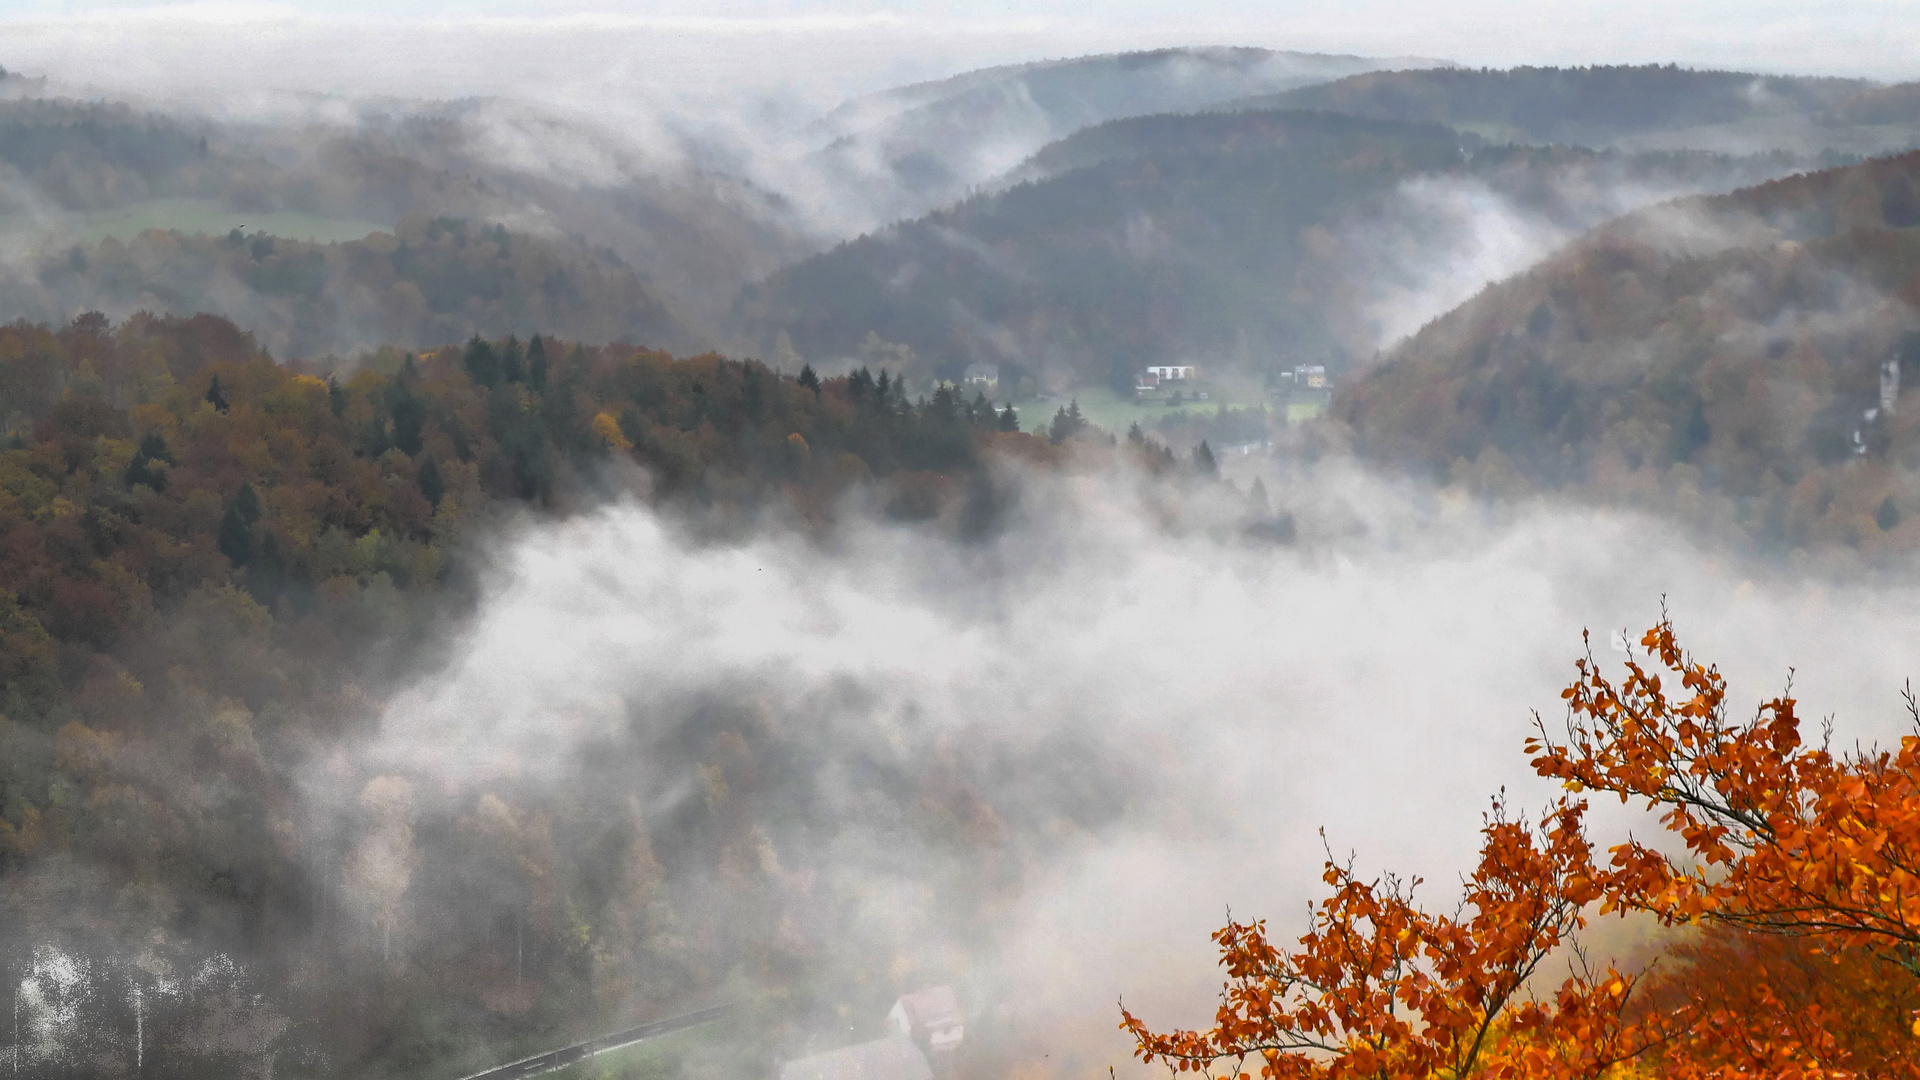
(984, 378)
(927, 1029)
(1169, 382)
(931, 1018)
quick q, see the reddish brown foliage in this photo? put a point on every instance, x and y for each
(1801, 862)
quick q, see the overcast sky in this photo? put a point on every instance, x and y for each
(832, 48)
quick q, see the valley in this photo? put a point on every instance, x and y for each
(479, 572)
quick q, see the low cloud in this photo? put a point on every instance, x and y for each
(1130, 716)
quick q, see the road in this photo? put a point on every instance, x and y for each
(580, 1051)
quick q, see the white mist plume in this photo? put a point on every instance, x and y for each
(1442, 238)
(1227, 698)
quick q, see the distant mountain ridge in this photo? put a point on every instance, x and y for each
(1588, 106)
(902, 152)
(1244, 241)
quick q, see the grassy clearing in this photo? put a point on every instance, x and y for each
(1113, 412)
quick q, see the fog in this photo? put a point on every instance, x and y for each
(1155, 714)
(1039, 755)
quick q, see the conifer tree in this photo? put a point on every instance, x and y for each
(215, 397)
(1009, 420)
(808, 378)
(431, 483)
(511, 369)
(537, 364)
(1067, 423)
(980, 413)
(482, 363)
(235, 538)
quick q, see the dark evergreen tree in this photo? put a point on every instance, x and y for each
(1135, 435)
(808, 379)
(336, 397)
(942, 409)
(1009, 420)
(980, 413)
(432, 484)
(248, 503)
(537, 364)
(409, 419)
(1203, 462)
(141, 469)
(511, 368)
(1067, 423)
(860, 388)
(215, 397)
(235, 538)
(482, 363)
(153, 446)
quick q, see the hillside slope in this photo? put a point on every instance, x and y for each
(1721, 357)
(75, 171)
(903, 152)
(1246, 241)
(427, 283)
(1649, 106)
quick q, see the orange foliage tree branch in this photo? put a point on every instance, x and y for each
(1784, 840)
(1379, 988)
(1779, 836)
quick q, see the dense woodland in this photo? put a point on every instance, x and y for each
(902, 152)
(1246, 242)
(429, 281)
(692, 239)
(1715, 360)
(211, 565)
(1586, 106)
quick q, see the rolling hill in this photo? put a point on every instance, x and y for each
(1737, 360)
(1587, 106)
(1244, 241)
(902, 152)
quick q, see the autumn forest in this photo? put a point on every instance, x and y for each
(855, 584)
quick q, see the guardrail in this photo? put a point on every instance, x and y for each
(580, 1051)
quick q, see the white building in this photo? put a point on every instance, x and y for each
(1173, 372)
(982, 377)
(931, 1018)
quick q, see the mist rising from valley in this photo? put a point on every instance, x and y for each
(374, 701)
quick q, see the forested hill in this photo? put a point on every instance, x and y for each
(145, 462)
(1717, 358)
(901, 152)
(91, 155)
(428, 282)
(82, 171)
(1246, 242)
(1088, 276)
(210, 566)
(1587, 106)
(1306, 133)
